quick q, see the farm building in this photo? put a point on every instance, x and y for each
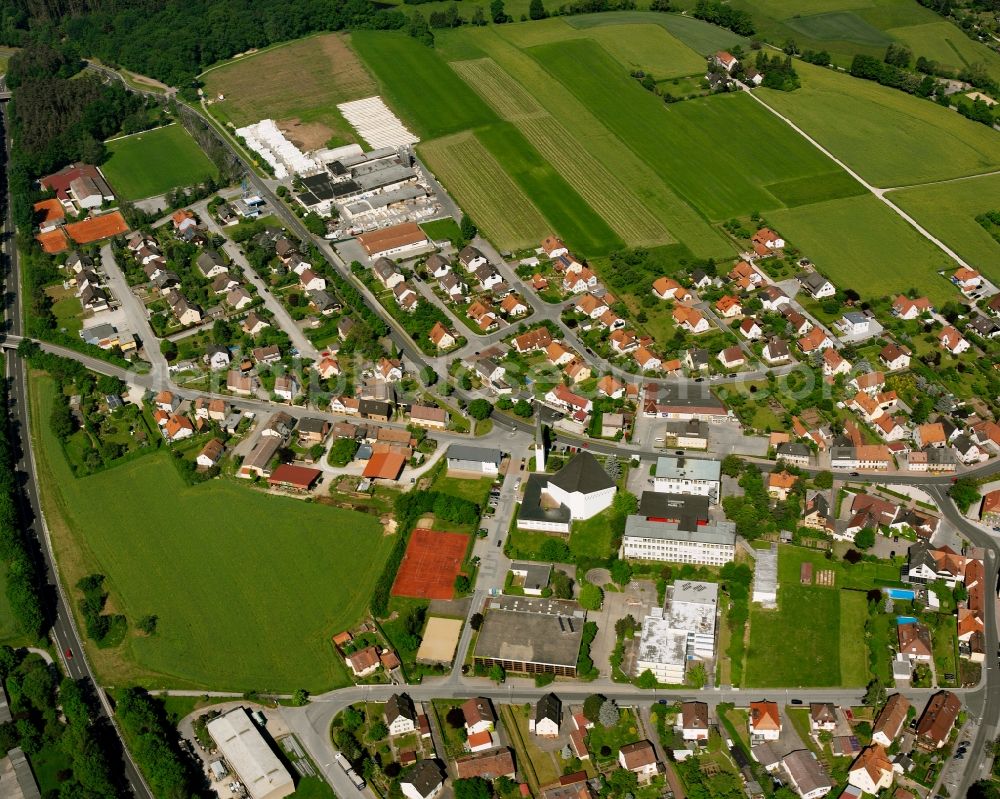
(298, 478)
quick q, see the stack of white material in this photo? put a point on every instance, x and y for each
(267, 140)
(376, 124)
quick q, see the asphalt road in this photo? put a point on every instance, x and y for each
(64, 634)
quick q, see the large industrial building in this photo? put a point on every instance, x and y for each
(531, 636)
(249, 755)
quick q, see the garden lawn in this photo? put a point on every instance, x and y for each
(690, 145)
(247, 587)
(860, 243)
(324, 71)
(889, 137)
(853, 656)
(155, 162)
(593, 538)
(428, 96)
(473, 489)
(861, 576)
(949, 211)
(799, 643)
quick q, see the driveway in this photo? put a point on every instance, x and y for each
(135, 311)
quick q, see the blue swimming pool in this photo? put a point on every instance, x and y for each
(900, 593)
(906, 620)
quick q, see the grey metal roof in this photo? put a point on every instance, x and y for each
(463, 452)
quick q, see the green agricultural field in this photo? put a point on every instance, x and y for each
(641, 45)
(949, 211)
(948, 45)
(428, 96)
(155, 162)
(566, 211)
(860, 243)
(689, 145)
(247, 587)
(700, 36)
(478, 183)
(839, 26)
(890, 138)
(256, 87)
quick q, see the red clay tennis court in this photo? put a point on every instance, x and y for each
(432, 562)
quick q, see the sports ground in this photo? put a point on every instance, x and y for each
(154, 162)
(432, 562)
(214, 563)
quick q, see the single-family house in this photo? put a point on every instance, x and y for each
(765, 720)
(545, 721)
(908, 309)
(441, 337)
(815, 285)
(952, 341)
(895, 357)
(639, 758)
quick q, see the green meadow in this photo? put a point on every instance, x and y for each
(247, 587)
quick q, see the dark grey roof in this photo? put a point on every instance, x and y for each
(818, 503)
(583, 474)
(688, 510)
(400, 705)
(424, 776)
(536, 575)
(310, 424)
(374, 408)
(531, 504)
(792, 448)
(462, 452)
(548, 707)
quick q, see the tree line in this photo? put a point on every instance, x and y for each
(27, 586)
(173, 42)
(153, 742)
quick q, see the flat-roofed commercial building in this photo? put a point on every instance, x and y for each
(243, 746)
(711, 544)
(531, 636)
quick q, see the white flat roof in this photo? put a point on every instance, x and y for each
(244, 748)
(661, 642)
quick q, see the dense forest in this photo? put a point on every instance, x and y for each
(174, 41)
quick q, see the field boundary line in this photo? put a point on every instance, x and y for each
(942, 182)
(879, 193)
(248, 56)
(140, 132)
